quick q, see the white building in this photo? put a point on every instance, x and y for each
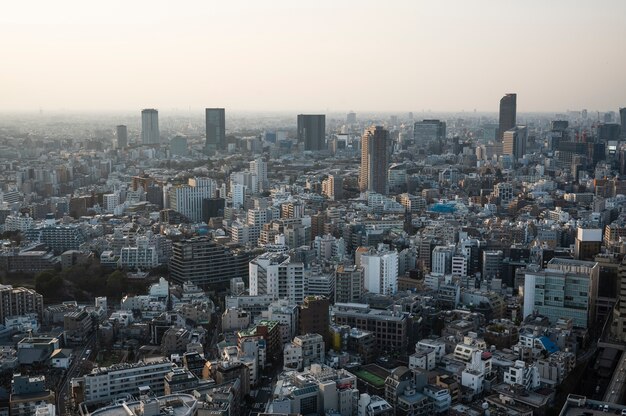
(187, 199)
(259, 167)
(522, 374)
(111, 201)
(142, 256)
(380, 270)
(18, 223)
(274, 274)
(106, 383)
(441, 261)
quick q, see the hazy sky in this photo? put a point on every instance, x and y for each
(312, 56)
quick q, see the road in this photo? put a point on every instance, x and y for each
(63, 393)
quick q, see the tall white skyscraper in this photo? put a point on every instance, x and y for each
(380, 270)
(150, 126)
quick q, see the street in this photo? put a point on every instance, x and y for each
(63, 393)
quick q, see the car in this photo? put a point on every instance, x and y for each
(623, 412)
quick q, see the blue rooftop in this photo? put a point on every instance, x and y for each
(548, 345)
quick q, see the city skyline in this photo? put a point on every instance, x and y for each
(79, 58)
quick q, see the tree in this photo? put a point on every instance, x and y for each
(115, 284)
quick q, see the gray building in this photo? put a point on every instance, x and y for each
(312, 131)
(215, 129)
(150, 126)
(121, 133)
(508, 114)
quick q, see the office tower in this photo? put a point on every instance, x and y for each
(150, 126)
(608, 132)
(390, 327)
(429, 130)
(187, 199)
(374, 160)
(178, 146)
(348, 284)
(215, 129)
(442, 259)
(508, 111)
(259, 167)
(566, 289)
(351, 117)
(212, 207)
(492, 263)
(274, 274)
(312, 131)
(204, 262)
(588, 243)
(122, 136)
(622, 118)
(314, 317)
(106, 383)
(332, 187)
(380, 271)
(619, 315)
(514, 142)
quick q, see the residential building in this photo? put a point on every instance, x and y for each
(374, 160)
(274, 274)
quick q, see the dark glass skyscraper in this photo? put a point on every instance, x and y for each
(215, 129)
(622, 118)
(312, 131)
(508, 112)
(374, 160)
(122, 136)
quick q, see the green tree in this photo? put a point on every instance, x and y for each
(115, 284)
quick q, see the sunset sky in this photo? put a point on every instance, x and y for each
(312, 56)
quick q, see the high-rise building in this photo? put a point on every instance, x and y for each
(187, 199)
(374, 160)
(351, 118)
(380, 271)
(426, 131)
(19, 301)
(514, 142)
(274, 274)
(332, 187)
(122, 136)
(588, 243)
(204, 262)
(259, 167)
(314, 318)
(150, 126)
(566, 289)
(348, 284)
(508, 114)
(312, 131)
(215, 129)
(622, 118)
(178, 146)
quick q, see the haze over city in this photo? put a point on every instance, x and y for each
(315, 56)
(323, 208)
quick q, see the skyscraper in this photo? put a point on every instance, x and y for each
(374, 160)
(428, 130)
(215, 129)
(150, 126)
(622, 117)
(122, 136)
(514, 142)
(508, 111)
(312, 131)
